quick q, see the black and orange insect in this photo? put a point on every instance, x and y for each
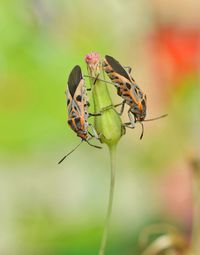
(77, 107)
(128, 89)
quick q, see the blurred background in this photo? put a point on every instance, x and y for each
(52, 209)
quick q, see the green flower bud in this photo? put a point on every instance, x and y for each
(109, 125)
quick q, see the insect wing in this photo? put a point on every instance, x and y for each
(75, 92)
(74, 79)
(77, 102)
(117, 67)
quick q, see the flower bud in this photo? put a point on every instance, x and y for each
(109, 125)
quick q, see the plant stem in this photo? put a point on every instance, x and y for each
(112, 150)
(195, 242)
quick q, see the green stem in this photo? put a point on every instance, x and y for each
(112, 150)
(195, 243)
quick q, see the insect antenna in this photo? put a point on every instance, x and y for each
(142, 130)
(98, 147)
(70, 152)
(96, 78)
(162, 116)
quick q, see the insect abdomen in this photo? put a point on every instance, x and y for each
(76, 123)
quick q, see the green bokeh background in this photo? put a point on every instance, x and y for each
(50, 209)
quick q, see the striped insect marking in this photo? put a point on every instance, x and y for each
(126, 87)
(77, 103)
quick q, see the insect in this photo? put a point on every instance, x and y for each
(77, 107)
(128, 89)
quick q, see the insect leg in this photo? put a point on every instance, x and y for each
(94, 132)
(115, 105)
(122, 108)
(91, 134)
(98, 147)
(130, 124)
(96, 78)
(94, 114)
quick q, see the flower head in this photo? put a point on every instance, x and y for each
(109, 124)
(92, 58)
(93, 61)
